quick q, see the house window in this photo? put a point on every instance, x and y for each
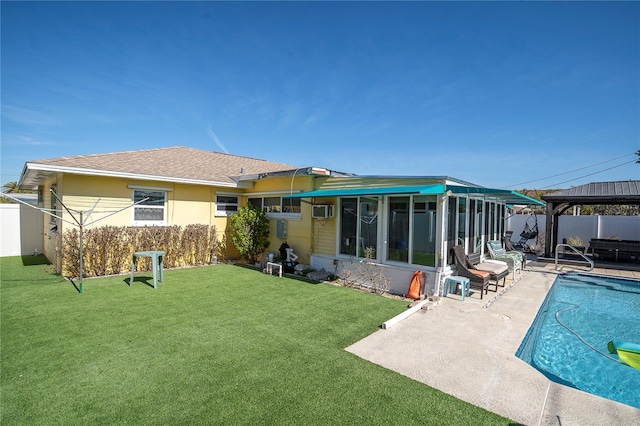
(359, 227)
(226, 205)
(368, 236)
(478, 225)
(489, 220)
(53, 202)
(149, 208)
(451, 226)
(275, 205)
(272, 204)
(423, 250)
(462, 221)
(256, 202)
(398, 245)
(348, 226)
(411, 228)
(291, 205)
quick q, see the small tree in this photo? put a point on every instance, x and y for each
(249, 230)
(10, 187)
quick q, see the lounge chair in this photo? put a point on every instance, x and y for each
(497, 269)
(506, 240)
(513, 259)
(510, 249)
(477, 279)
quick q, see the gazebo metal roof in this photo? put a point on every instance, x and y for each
(619, 192)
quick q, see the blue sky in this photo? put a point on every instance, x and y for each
(502, 94)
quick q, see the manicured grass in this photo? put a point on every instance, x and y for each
(212, 345)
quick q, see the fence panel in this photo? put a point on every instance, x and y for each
(583, 227)
(20, 230)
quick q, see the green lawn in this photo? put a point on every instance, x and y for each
(219, 344)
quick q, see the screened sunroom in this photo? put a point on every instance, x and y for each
(406, 227)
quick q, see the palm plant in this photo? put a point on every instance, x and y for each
(10, 187)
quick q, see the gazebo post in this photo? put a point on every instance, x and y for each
(548, 238)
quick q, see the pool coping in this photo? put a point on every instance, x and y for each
(468, 350)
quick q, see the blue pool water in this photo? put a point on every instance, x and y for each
(567, 341)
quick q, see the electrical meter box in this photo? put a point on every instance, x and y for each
(281, 229)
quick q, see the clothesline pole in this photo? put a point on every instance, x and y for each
(80, 225)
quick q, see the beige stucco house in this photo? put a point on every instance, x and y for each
(330, 218)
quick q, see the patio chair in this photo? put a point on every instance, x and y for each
(497, 269)
(510, 249)
(477, 279)
(513, 259)
(508, 244)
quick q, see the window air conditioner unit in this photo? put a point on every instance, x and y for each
(323, 211)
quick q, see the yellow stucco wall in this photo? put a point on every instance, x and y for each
(189, 204)
(186, 204)
(195, 204)
(299, 230)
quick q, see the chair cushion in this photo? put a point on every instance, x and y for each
(494, 267)
(481, 274)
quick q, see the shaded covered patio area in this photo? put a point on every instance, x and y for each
(595, 193)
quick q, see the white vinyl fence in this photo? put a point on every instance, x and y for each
(20, 230)
(583, 227)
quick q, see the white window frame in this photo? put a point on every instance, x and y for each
(162, 222)
(358, 213)
(276, 215)
(224, 212)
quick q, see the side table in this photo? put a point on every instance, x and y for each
(452, 282)
(156, 265)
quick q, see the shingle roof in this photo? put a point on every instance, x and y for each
(623, 191)
(177, 163)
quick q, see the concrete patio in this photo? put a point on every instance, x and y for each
(467, 349)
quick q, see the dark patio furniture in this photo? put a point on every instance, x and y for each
(498, 271)
(616, 250)
(477, 279)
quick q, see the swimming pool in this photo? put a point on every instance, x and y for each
(567, 341)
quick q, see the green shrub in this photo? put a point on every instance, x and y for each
(249, 230)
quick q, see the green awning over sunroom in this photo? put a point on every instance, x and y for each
(375, 190)
(509, 197)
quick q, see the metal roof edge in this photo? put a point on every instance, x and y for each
(300, 171)
(526, 197)
(506, 193)
(370, 191)
(444, 179)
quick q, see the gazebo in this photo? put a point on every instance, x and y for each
(620, 192)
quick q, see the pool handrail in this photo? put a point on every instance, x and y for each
(592, 265)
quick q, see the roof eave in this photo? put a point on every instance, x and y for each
(621, 199)
(49, 170)
(300, 171)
